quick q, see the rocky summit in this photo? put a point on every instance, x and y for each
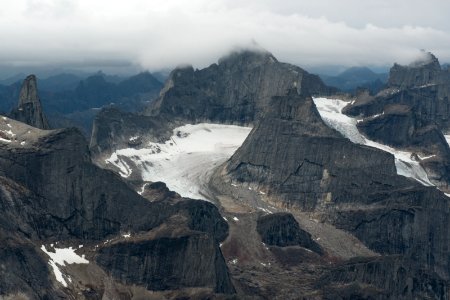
(411, 113)
(29, 109)
(235, 90)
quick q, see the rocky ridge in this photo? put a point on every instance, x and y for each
(53, 195)
(237, 90)
(352, 187)
(412, 113)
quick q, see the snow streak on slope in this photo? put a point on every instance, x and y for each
(331, 112)
(186, 161)
(61, 257)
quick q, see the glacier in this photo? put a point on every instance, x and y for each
(186, 161)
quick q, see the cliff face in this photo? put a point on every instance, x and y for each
(51, 192)
(412, 113)
(29, 109)
(281, 229)
(171, 263)
(303, 165)
(293, 154)
(366, 279)
(114, 129)
(424, 71)
(236, 90)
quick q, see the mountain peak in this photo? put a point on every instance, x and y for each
(425, 59)
(28, 92)
(423, 71)
(29, 109)
(248, 56)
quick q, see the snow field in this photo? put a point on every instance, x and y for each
(186, 161)
(331, 112)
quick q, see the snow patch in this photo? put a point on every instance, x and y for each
(186, 161)
(331, 112)
(235, 219)
(265, 210)
(60, 258)
(4, 140)
(425, 157)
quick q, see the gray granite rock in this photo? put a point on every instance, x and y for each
(29, 109)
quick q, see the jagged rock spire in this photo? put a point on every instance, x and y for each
(29, 109)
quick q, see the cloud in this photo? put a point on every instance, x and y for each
(164, 33)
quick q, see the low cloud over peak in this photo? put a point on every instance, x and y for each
(162, 34)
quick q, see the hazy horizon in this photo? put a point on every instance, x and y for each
(124, 38)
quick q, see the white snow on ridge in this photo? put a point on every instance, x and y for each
(331, 112)
(61, 257)
(185, 162)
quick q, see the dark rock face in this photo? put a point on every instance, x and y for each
(169, 263)
(426, 70)
(293, 154)
(158, 191)
(409, 222)
(281, 229)
(23, 271)
(29, 109)
(367, 279)
(236, 90)
(412, 113)
(353, 187)
(114, 129)
(50, 190)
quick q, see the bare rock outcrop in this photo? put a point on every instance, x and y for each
(29, 109)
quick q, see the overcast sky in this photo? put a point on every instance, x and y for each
(155, 34)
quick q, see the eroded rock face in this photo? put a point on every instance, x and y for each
(281, 229)
(426, 70)
(294, 155)
(366, 278)
(29, 109)
(50, 192)
(114, 129)
(355, 188)
(236, 90)
(170, 263)
(412, 113)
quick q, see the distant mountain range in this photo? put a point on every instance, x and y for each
(357, 77)
(73, 100)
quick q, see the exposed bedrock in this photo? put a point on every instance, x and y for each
(190, 260)
(50, 192)
(29, 109)
(412, 113)
(281, 229)
(301, 164)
